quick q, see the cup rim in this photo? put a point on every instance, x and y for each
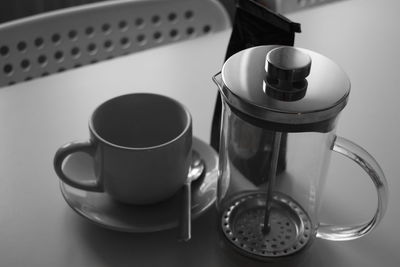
(104, 141)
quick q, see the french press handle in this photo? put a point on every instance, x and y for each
(374, 171)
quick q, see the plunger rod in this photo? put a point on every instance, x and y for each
(276, 143)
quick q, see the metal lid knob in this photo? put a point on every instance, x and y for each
(286, 71)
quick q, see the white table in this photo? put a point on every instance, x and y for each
(37, 228)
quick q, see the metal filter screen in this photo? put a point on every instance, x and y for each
(242, 223)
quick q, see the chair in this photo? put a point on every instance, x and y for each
(60, 40)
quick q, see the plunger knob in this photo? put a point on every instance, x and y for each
(286, 71)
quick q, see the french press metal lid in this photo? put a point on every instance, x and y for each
(292, 89)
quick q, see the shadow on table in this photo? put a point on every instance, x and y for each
(206, 248)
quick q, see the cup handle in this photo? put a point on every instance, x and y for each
(369, 164)
(68, 149)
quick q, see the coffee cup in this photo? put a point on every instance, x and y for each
(141, 147)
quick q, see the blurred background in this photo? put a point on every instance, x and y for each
(10, 10)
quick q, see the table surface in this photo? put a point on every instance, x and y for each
(37, 228)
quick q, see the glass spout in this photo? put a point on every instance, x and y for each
(217, 79)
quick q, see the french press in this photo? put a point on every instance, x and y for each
(280, 109)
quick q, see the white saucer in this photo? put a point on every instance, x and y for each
(100, 209)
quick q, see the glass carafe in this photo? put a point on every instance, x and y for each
(280, 109)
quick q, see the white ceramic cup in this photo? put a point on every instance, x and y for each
(141, 146)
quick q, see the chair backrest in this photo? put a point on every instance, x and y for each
(53, 42)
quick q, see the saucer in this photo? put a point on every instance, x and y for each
(100, 209)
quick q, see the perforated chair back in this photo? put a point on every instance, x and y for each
(53, 42)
